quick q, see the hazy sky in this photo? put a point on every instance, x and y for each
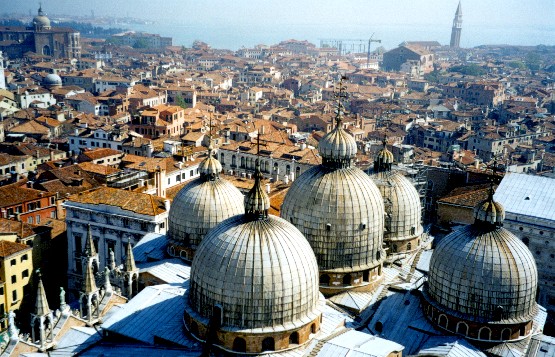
(228, 22)
(487, 12)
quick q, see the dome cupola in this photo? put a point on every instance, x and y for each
(41, 22)
(199, 206)
(340, 211)
(403, 210)
(483, 280)
(254, 283)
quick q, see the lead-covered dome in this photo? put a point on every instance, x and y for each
(340, 211)
(52, 80)
(260, 274)
(199, 206)
(403, 211)
(484, 274)
(41, 22)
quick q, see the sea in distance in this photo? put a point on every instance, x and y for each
(234, 36)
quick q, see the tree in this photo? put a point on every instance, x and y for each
(180, 101)
(469, 70)
(140, 43)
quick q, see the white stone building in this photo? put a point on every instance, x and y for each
(115, 217)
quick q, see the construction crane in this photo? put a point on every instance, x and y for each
(370, 45)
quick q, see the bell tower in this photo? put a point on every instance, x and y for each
(457, 28)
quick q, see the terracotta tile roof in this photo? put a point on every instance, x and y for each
(98, 169)
(11, 195)
(100, 153)
(140, 203)
(8, 248)
(23, 230)
(466, 196)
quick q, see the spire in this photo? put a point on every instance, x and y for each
(40, 12)
(90, 250)
(41, 305)
(338, 148)
(130, 259)
(257, 201)
(459, 10)
(489, 211)
(89, 283)
(210, 167)
(384, 158)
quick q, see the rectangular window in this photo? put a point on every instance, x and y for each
(2, 290)
(24, 257)
(25, 274)
(38, 219)
(14, 295)
(13, 262)
(14, 279)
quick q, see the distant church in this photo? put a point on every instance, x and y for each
(457, 28)
(41, 38)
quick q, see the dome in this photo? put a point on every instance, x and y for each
(258, 283)
(199, 206)
(402, 206)
(258, 274)
(52, 80)
(41, 21)
(490, 211)
(385, 156)
(484, 273)
(341, 213)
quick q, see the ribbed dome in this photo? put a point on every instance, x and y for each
(202, 204)
(341, 214)
(337, 145)
(262, 273)
(490, 211)
(484, 273)
(402, 206)
(257, 202)
(385, 156)
(41, 21)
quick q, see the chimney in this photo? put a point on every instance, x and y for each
(167, 205)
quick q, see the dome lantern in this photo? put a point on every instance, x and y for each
(257, 202)
(384, 158)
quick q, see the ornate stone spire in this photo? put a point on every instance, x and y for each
(41, 305)
(89, 285)
(90, 250)
(130, 259)
(257, 201)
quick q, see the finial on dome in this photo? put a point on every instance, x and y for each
(384, 158)
(257, 201)
(489, 211)
(210, 167)
(340, 107)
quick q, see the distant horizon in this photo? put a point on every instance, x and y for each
(231, 25)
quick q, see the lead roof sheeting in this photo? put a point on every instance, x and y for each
(171, 271)
(353, 299)
(76, 340)
(423, 264)
(527, 195)
(402, 323)
(449, 346)
(152, 312)
(152, 245)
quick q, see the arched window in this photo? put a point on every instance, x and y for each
(324, 279)
(442, 321)
(347, 279)
(268, 344)
(297, 171)
(506, 334)
(462, 328)
(239, 345)
(313, 328)
(287, 170)
(242, 162)
(484, 334)
(194, 328)
(366, 275)
(294, 338)
(46, 50)
(222, 157)
(233, 161)
(409, 246)
(394, 248)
